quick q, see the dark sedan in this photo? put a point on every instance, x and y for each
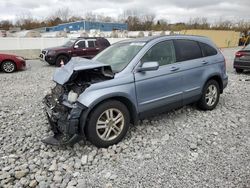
(10, 63)
(242, 60)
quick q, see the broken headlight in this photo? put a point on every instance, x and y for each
(72, 96)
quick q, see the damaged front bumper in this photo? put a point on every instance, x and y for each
(63, 111)
(64, 119)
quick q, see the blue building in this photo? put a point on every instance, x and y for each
(88, 25)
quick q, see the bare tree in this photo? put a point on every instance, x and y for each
(223, 24)
(102, 18)
(161, 25)
(63, 13)
(26, 21)
(5, 24)
(242, 26)
(198, 23)
(148, 21)
(136, 20)
(75, 18)
(89, 16)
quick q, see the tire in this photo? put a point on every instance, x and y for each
(8, 66)
(210, 96)
(51, 63)
(60, 58)
(107, 133)
(239, 70)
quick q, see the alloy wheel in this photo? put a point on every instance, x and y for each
(8, 66)
(211, 95)
(110, 124)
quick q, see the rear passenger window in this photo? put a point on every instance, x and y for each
(187, 50)
(207, 50)
(162, 52)
(91, 44)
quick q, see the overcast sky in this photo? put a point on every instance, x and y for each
(171, 10)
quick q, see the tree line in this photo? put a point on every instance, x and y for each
(136, 20)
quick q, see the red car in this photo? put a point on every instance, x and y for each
(10, 63)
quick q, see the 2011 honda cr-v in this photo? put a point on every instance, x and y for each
(130, 80)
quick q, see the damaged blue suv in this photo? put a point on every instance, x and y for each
(98, 99)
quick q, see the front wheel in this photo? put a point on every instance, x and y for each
(108, 123)
(61, 58)
(210, 96)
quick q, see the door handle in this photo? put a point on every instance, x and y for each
(174, 68)
(204, 62)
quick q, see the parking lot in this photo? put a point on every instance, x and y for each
(181, 148)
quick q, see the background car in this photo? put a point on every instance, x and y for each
(86, 47)
(10, 63)
(131, 80)
(242, 60)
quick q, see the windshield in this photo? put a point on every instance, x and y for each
(69, 43)
(119, 55)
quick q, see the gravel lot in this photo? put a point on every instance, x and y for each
(181, 148)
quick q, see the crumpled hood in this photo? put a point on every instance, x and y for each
(63, 74)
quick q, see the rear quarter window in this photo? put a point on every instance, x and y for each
(207, 50)
(103, 42)
(187, 50)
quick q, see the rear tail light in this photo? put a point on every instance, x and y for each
(239, 54)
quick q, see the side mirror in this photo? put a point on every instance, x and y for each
(148, 66)
(76, 46)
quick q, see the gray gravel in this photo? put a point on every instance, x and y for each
(181, 148)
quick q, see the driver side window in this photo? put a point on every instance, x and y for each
(81, 44)
(162, 52)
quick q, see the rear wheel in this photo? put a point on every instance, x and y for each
(8, 66)
(239, 70)
(108, 123)
(210, 96)
(61, 58)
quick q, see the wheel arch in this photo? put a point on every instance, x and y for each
(131, 108)
(218, 79)
(7, 60)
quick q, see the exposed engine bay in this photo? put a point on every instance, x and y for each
(63, 110)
